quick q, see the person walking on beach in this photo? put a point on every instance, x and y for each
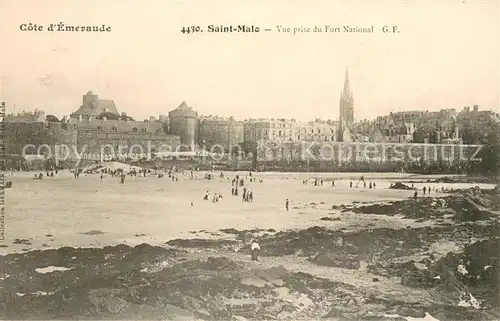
(333, 183)
(350, 184)
(424, 189)
(287, 203)
(415, 194)
(255, 247)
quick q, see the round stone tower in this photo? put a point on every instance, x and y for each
(184, 123)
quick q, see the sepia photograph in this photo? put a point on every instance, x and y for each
(250, 160)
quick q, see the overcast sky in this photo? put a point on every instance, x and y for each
(445, 56)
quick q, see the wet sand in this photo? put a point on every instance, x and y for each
(154, 210)
(58, 211)
(64, 212)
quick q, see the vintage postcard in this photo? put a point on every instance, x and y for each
(249, 160)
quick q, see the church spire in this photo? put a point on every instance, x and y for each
(347, 87)
(346, 110)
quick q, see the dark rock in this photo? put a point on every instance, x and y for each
(399, 185)
(337, 259)
(410, 311)
(22, 241)
(327, 218)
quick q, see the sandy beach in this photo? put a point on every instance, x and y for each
(380, 248)
(155, 210)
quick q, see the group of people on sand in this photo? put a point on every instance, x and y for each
(316, 182)
(370, 184)
(48, 174)
(247, 195)
(320, 182)
(240, 180)
(215, 199)
(120, 173)
(237, 181)
(427, 190)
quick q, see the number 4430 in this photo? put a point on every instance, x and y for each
(191, 29)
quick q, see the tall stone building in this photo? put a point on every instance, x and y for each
(346, 109)
(223, 133)
(101, 129)
(184, 123)
(92, 106)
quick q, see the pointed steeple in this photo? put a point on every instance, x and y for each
(347, 87)
(346, 110)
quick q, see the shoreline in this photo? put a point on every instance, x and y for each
(340, 252)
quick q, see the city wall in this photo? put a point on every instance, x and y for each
(38, 137)
(93, 142)
(30, 142)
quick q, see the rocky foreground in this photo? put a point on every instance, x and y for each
(369, 274)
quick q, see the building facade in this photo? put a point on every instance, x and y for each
(223, 133)
(183, 122)
(93, 107)
(89, 132)
(286, 130)
(31, 140)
